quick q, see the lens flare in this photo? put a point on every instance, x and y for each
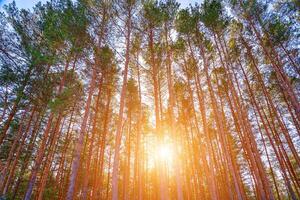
(165, 153)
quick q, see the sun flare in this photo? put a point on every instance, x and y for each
(165, 152)
(160, 153)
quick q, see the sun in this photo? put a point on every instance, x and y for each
(160, 153)
(165, 153)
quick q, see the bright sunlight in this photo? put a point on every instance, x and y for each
(160, 153)
(165, 153)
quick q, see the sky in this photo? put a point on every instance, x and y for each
(31, 3)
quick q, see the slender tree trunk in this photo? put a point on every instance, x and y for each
(18, 153)
(171, 114)
(41, 151)
(94, 127)
(29, 150)
(102, 145)
(126, 186)
(116, 161)
(137, 164)
(277, 65)
(20, 94)
(79, 143)
(49, 159)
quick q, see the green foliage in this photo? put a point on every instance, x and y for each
(7, 75)
(278, 31)
(254, 8)
(106, 57)
(40, 96)
(132, 103)
(71, 93)
(169, 10)
(233, 48)
(59, 25)
(182, 95)
(185, 22)
(178, 47)
(136, 44)
(152, 13)
(220, 79)
(213, 16)
(191, 67)
(208, 45)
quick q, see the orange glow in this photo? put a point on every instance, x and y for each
(165, 153)
(159, 153)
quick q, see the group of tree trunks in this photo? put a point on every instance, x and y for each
(89, 90)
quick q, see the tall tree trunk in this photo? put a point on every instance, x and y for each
(137, 189)
(171, 114)
(126, 186)
(20, 94)
(41, 151)
(94, 128)
(116, 160)
(79, 143)
(276, 63)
